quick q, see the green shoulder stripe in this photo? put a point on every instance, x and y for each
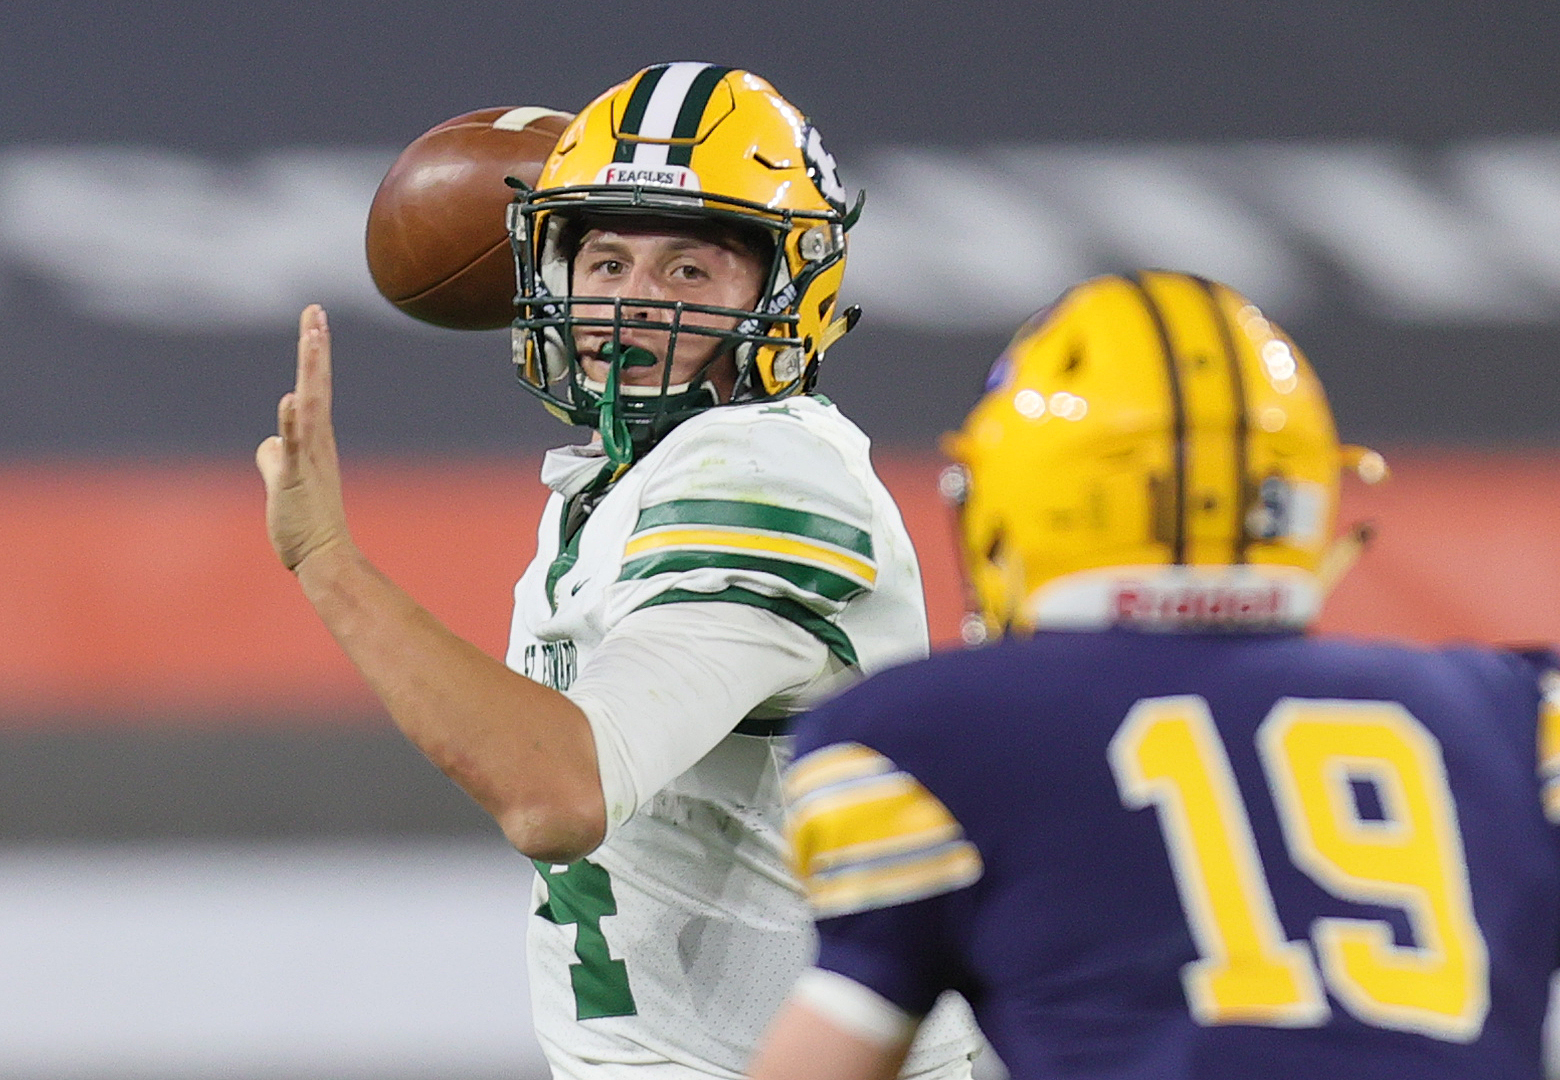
(811, 579)
(835, 639)
(754, 515)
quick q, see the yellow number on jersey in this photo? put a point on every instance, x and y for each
(1167, 753)
(1412, 859)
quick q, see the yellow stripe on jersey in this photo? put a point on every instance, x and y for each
(888, 847)
(864, 890)
(865, 834)
(1549, 743)
(858, 810)
(767, 543)
(830, 765)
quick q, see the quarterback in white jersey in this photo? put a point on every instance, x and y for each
(714, 561)
(754, 554)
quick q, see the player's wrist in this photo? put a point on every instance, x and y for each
(328, 562)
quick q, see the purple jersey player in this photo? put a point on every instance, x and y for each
(1159, 831)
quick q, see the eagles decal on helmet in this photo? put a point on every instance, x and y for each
(685, 142)
(1149, 450)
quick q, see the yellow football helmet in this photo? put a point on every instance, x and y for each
(688, 142)
(1149, 450)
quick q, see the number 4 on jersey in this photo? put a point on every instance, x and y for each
(581, 894)
(1167, 753)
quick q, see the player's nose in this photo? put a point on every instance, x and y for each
(642, 283)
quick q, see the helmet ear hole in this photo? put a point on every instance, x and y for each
(994, 549)
(1012, 575)
(820, 242)
(1074, 361)
(788, 364)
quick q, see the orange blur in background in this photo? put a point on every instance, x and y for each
(147, 593)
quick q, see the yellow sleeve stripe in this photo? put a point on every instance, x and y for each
(832, 764)
(891, 809)
(885, 847)
(753, 541)
(1552, 801)
(866, 888)
(865, 834)
(1549, 724)
(842, 802)
(1549, 743)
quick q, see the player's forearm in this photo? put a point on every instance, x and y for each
(804, 1044)
(521, 750)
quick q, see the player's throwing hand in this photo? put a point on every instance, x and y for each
(303, 509)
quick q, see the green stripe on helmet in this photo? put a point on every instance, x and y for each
(634, 112)
(692, 112)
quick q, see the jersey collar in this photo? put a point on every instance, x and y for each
(568, 470)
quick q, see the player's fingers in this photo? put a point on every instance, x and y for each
(287, 426)
(313, 385)
(269, 456)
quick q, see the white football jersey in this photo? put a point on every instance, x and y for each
(667, 951)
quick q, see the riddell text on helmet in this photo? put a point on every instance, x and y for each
(1143, 602)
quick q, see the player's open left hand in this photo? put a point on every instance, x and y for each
(303, 510)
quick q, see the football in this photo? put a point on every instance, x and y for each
(436, 240)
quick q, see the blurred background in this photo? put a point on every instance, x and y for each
(216, 856)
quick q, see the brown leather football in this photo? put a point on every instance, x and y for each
(436, 241)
